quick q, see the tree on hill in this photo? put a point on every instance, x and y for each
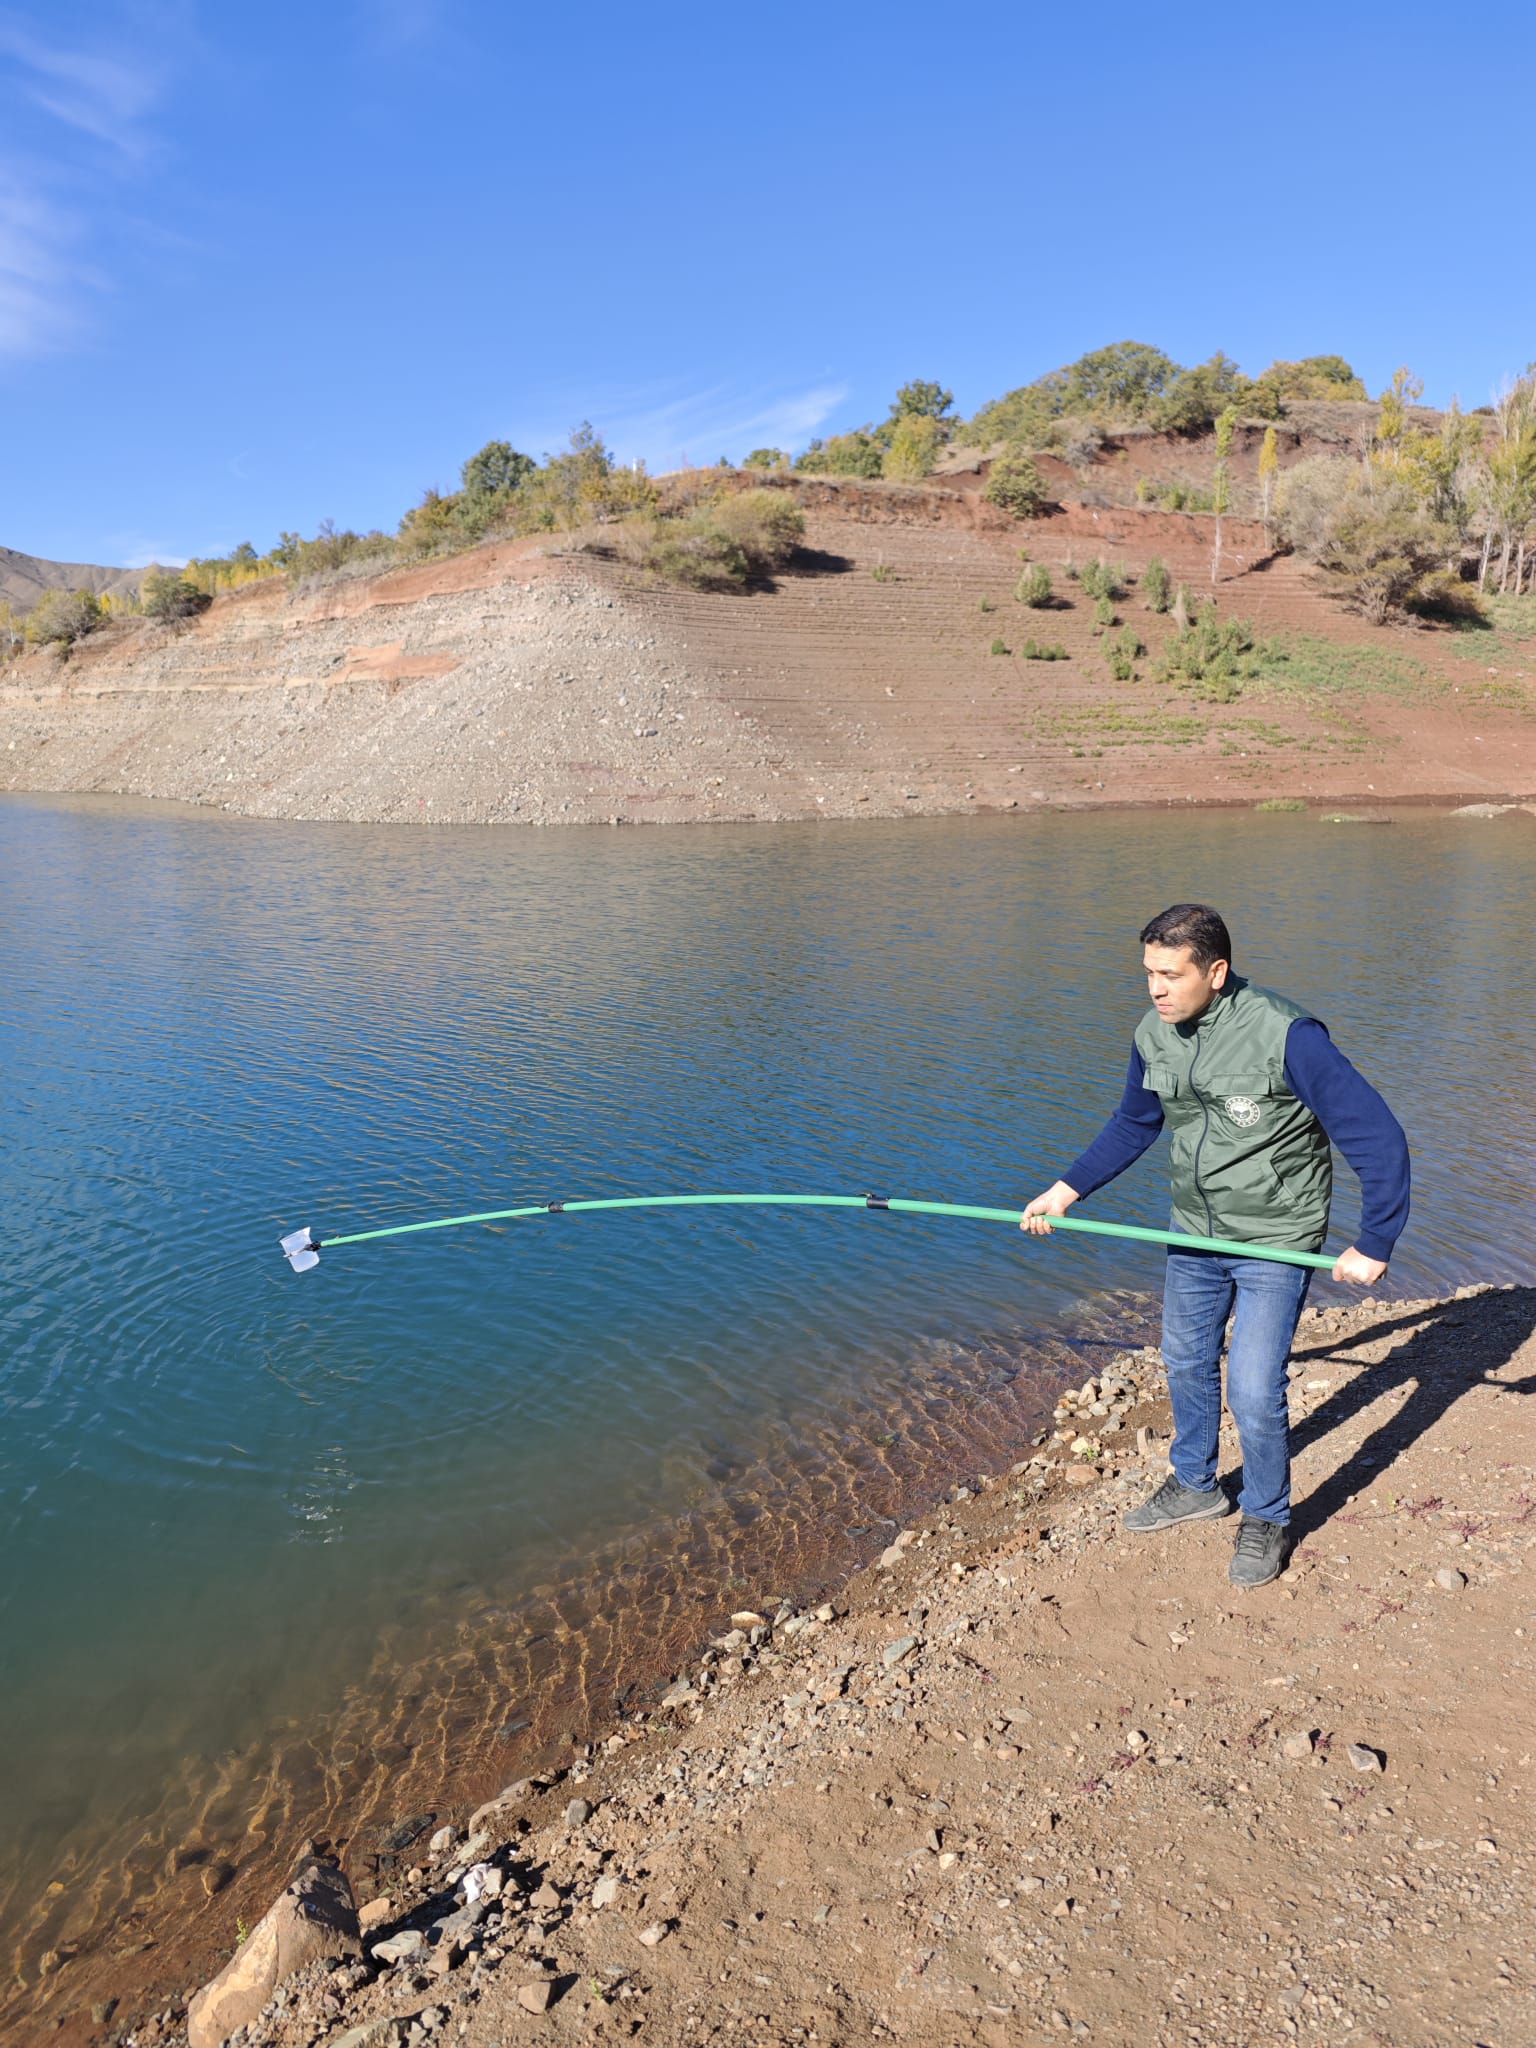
(1118, 383)
(854, 454)
(1196, 397)
(168, 596)
(919, 400)
(1392, 420)
(62, 617)
(1269, 464)
(1221, 496)
(1312, 377)
(495, 470)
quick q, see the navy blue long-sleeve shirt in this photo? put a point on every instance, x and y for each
(1354, 1116)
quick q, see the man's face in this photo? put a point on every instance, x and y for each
(1179, 989)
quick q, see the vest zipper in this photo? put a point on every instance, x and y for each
(1205, 1128)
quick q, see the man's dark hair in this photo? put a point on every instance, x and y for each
(1195, 925)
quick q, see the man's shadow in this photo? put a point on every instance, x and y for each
(1457, 1345)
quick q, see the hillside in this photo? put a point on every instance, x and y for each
(544, 681)
(24, 578)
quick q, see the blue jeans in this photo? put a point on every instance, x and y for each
(1199, 1291)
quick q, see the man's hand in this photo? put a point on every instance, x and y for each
(1359, 1271)
(1056, 1201)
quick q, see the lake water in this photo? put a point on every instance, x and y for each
(284, 1553)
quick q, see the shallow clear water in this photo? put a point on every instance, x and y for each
(258, 1529)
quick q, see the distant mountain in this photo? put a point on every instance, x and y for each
(24, 578)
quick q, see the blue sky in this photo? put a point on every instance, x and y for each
(260, 267)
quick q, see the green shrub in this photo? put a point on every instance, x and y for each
(1034, 587)
(1281, 803)
(723, 545)
(999, 647)
(1035, 650)
(1154, 584)
(61, 617)
(1103, 579)
(915, 442)
(767, 458)
(1213, 655)
(1104, 615)
(987, 605)
(1121, 667)
(497, 469)
(855, 454)
(172, 597)
(883, 573)
(1014, 483)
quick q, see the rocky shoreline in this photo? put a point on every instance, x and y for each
(1022, 1778)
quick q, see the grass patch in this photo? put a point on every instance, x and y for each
(1281, 803)
(1124, 725)
(1306, 664)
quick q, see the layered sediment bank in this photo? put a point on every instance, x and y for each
(891, 671)
(1026, 1777)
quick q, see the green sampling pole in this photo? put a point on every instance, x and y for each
(302, 1248)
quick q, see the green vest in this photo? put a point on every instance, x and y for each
(1249, 1160)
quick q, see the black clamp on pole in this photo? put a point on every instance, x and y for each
(877, 1201)
(554, 1208)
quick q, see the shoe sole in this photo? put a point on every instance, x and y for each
(1212, 1514)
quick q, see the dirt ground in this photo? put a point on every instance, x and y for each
(1032, 1779)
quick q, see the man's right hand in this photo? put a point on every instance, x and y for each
(1056, 1201)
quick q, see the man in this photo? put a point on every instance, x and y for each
(1253, 1090)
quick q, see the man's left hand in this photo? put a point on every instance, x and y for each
(1357, 1270)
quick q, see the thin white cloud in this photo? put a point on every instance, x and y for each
(35, 269)
(101, 94)
(88, 131)
(699, 425)
(134, 552)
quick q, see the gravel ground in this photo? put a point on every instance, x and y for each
(1030, 1778)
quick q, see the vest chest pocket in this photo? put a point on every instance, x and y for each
(1242, 1099)
(1162, 1081)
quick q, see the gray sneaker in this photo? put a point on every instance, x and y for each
(1262, 1548)
(1175, 1502)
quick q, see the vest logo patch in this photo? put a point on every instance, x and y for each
(1243, 1111)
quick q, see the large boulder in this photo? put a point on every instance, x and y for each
(316, 1917)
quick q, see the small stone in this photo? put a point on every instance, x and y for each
(1079, 1475)
(535, 1997)
(1137, 1739)
(1081, 1446)
(826, 1612)
(377, 1913)
(893, 1653)
(216, 1876)
(546, 1899)
(655, 1934)
(1298, 1745)
(1031, 1884)
(1362, 1758)
(1452, 1580)
(1486, 1846)
(747, 1618)
(578, 1813)
(606, 1891)
(443, 1841)
(103, 2010)
(395, 1948)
